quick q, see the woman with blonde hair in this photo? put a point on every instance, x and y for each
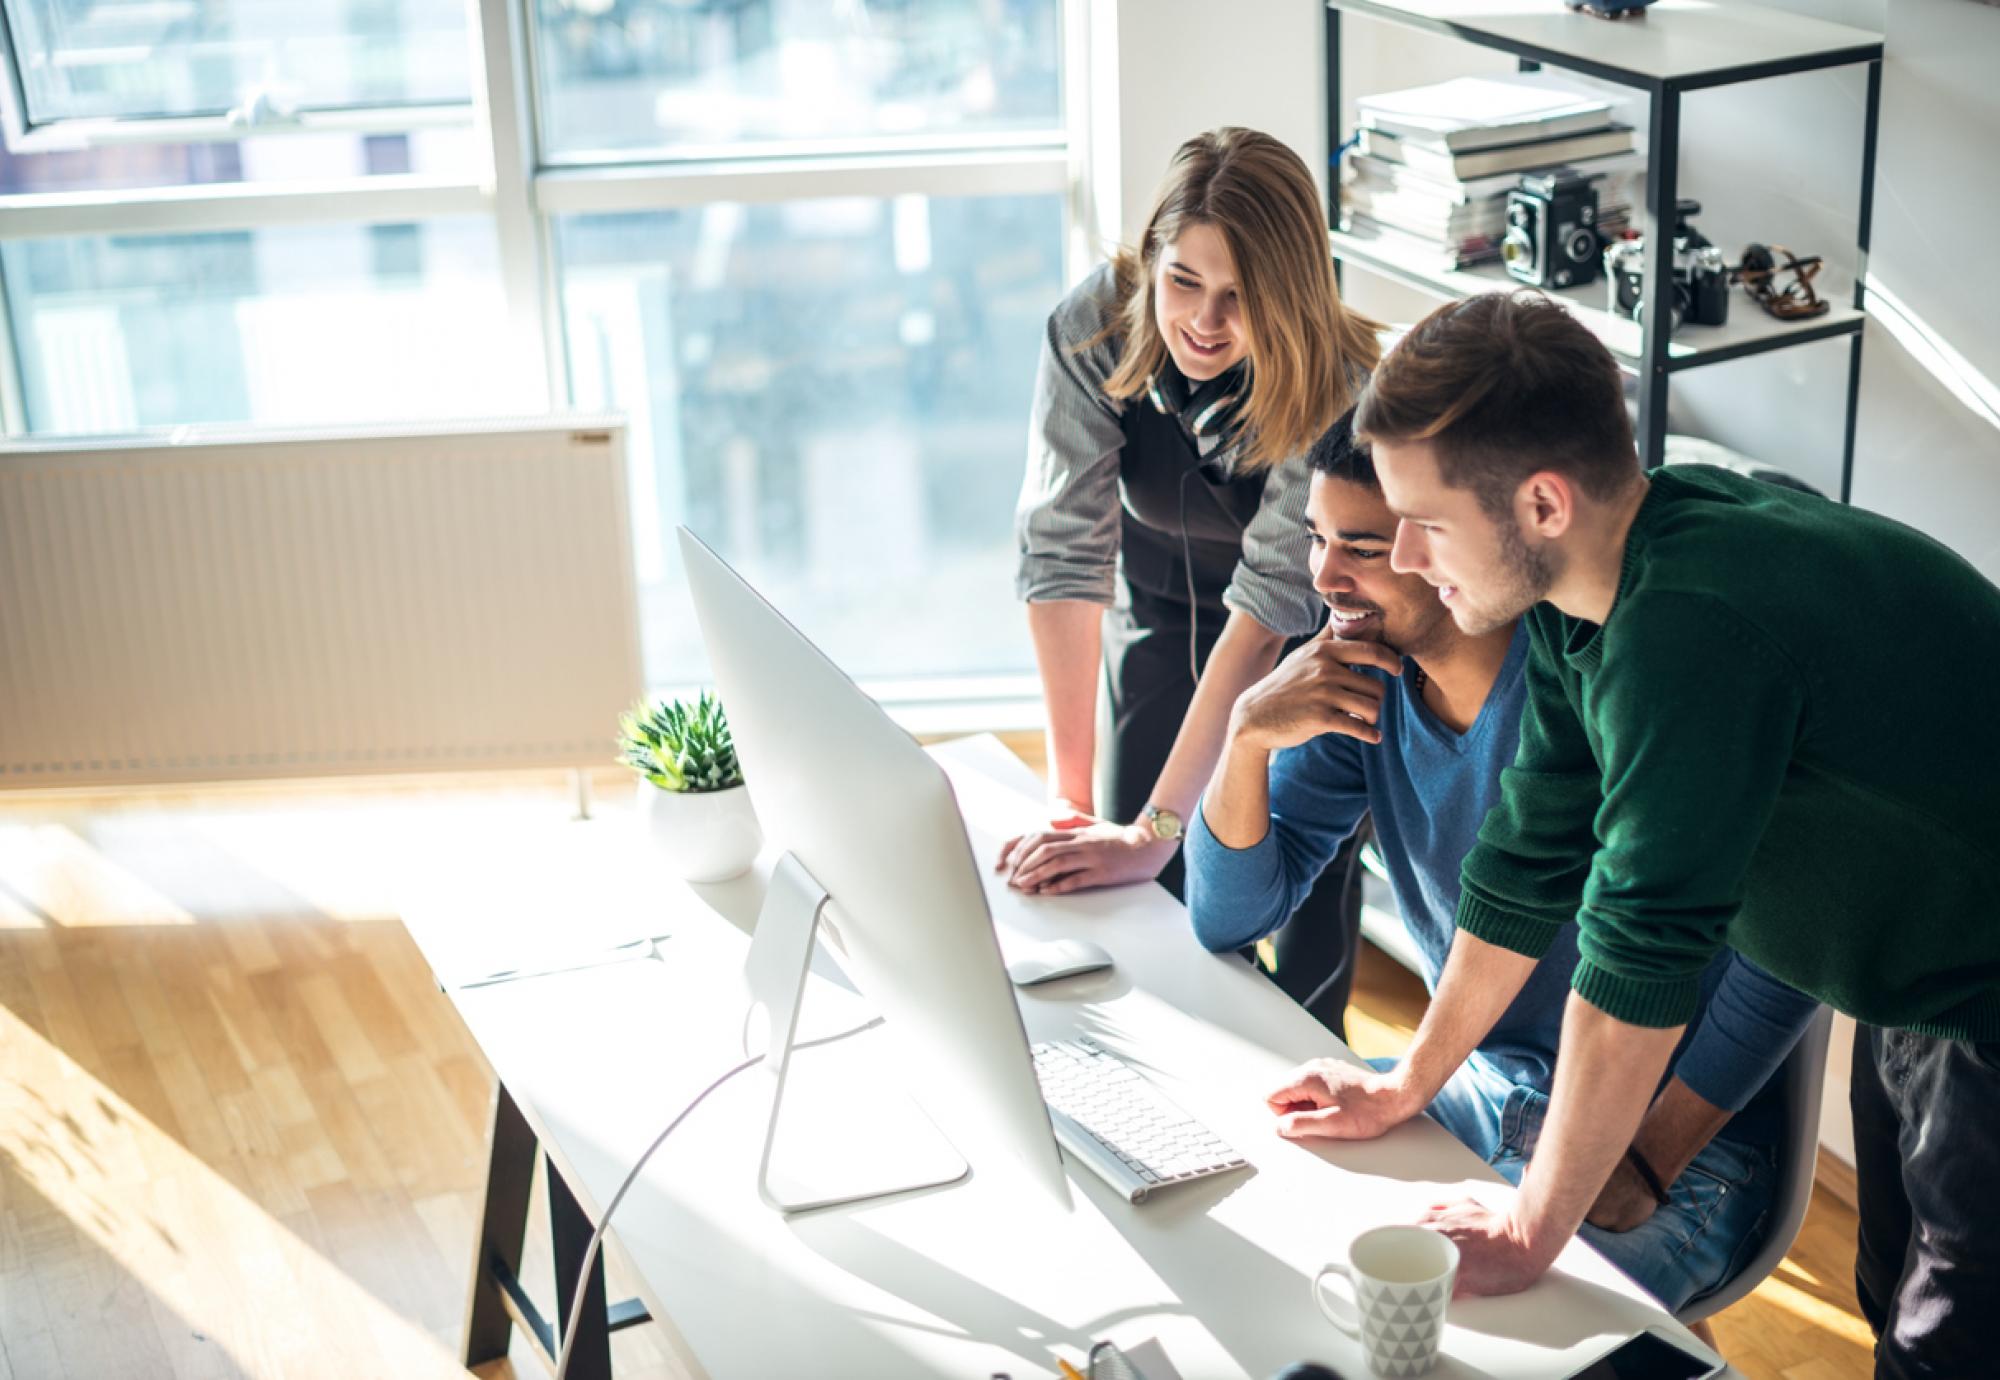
(1180, 387)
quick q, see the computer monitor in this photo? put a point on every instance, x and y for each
(865, 817)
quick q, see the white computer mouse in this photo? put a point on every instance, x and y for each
(1059, 958)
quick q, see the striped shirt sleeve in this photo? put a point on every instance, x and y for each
(1066, 523)
(1273, 583)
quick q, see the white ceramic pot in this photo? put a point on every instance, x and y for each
(704, 836)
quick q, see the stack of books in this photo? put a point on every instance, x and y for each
(1435, 163)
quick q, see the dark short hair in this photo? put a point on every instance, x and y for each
(1338, 455)
(1502, 386)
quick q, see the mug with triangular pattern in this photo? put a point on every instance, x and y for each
(1401, 1278)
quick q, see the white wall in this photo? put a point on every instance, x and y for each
(1922, 453)
(1165, 70)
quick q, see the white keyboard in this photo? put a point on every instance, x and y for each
(1120, 1125)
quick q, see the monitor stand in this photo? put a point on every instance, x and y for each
(841, 1130)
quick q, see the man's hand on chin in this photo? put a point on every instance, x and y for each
(1493, 1254)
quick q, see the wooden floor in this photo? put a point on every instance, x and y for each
(242, 1133)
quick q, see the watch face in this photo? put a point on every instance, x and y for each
(1166, 824)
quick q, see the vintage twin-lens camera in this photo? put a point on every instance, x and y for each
(1700, 273)
(1552, 236)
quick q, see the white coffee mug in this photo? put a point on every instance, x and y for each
(1402, 1278)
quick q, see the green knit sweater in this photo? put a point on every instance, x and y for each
(1783, 739)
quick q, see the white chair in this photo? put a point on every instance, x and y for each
(1802, 1076)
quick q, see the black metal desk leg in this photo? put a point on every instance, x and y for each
(510, 1178)
(569, 1231)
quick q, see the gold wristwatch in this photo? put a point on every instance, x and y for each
(1165, 824)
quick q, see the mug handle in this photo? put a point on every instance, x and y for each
(1351, 1326)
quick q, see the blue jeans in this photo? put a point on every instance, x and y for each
(1720, 1206)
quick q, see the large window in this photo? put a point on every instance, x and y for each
(730, 76)
(145, 58)
(833, 393)
(806, 247)
(295, 324)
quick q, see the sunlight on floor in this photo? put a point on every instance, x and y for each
(170, 1223)
(53, 876)
(1811, 1311)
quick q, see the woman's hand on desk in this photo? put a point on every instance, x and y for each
(1331, 1099)
(1057, 860)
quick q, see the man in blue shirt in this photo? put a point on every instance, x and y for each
(1395, 712)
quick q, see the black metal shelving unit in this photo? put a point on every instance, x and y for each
(1667, 53)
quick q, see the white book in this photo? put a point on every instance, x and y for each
(1480, 112)
(1420, 213)
(1473, 140)
(1433, 252)
(1365, 170)
(1534, 153)
(1380, 172)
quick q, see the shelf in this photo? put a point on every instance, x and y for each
(1749, 330)
(1683, 44)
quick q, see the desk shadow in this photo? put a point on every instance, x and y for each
(1211, 1273)
(1556, 1304)
(1232, 1284)
(1386, 1157)
(1104, 985)
(1554, 1313)
(970, 1308)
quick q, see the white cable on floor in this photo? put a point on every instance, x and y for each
(597, 1236)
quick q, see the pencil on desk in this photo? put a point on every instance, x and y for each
(1069, 1371)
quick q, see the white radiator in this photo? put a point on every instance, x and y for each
(422, 599)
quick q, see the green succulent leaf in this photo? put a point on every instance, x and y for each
(680, 745)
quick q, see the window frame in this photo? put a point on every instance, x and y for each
(522, 191)
(24, 135)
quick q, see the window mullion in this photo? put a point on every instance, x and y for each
(654, 186)
(223, 206)
(504, 106)
(13, 393)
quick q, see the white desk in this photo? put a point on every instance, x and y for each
(979, 1278)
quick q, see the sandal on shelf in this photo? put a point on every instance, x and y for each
(1795, 300)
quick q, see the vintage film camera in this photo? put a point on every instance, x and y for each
(1700, 273)
(1552, 238)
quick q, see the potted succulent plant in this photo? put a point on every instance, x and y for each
(691, 792)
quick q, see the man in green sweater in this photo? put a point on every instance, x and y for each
(1754, 719)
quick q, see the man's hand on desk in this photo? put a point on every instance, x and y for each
(1331, 1099)
(1494, 1256)
(1057, 860)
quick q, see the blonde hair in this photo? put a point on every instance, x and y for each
(1305, 347)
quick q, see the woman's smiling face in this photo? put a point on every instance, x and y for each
(1196, 304)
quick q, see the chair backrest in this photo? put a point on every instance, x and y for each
(1804, 1076)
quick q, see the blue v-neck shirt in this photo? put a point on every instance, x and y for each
(1428, 788)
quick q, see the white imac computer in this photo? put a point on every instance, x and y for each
(876, 858)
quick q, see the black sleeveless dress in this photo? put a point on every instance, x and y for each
(1181, 537)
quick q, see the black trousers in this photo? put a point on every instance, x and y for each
(1147, 667)
(1927, 1162)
